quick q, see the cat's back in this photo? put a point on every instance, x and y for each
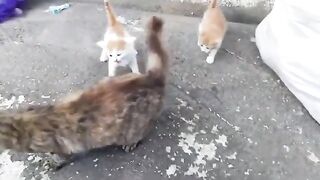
(128, 105)
(117, 30)
(213, 20)
(138, 90)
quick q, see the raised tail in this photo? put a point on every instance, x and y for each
(213, 3)
(112, 19)
(157, 64)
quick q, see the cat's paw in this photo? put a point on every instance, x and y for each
(103, 59)
(49, 164)
(129, 148)
(137, 72)
(53, 162)
(210, 59)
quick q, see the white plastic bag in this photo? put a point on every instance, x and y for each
(289, 42)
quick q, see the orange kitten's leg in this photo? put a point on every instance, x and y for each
(212, 54)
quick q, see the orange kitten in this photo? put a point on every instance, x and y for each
(117, 45)
(211, 31)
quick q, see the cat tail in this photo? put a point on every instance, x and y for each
(112, 19)
(213, 3)
(157, 64)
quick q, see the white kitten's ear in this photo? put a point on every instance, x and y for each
(131, 39)
(101, 44)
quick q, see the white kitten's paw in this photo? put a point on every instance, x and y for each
(103, 59)
(210, 60)
(136, 71)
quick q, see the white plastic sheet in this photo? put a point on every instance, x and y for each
(289, 42)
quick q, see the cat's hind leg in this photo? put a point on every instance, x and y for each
(134, 65)
(129, 148)
(64, 161)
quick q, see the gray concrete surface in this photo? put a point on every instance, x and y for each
(242, 11)
(228, 121)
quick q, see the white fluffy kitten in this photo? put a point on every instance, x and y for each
(117, 45)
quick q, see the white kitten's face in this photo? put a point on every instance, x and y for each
(116, 49)
(116, 56)
(114, 53)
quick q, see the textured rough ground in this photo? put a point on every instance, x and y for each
(230, 120)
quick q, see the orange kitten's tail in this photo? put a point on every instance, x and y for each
(112, 19)
(213, 3)
(158, 60)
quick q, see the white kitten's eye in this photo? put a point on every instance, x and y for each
(110, 55)
(118, 54)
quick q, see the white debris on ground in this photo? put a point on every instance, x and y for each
(204, 152)
(45, 96)
(168, 149)
(232, 156)
(8, 103)
(287, 148)
(10, 169)
(247, 172)
(312, 157)
(214, 129)
(133, 24)
(223, 140)
(171, 171)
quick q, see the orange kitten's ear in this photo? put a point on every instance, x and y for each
(101, 44)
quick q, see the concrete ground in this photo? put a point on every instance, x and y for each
(231, 120)
(242, 11)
